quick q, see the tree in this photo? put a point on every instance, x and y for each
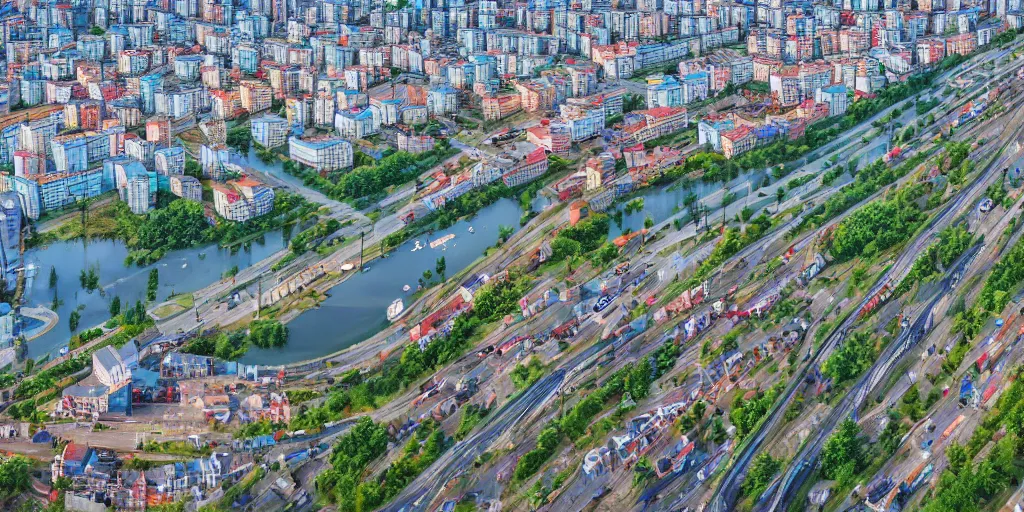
(911, 403)
(152, 285)
(73, 320)
(192, 168)
(631, 102)
(958, 458)
(842, 455)
(855, 355)
(427, 274)
(53, 277)
(891, 435)
(505, 232)
(115, 306)
(780, 194)
(14, 477)
(762, 469)
(268, 333)
(565, 248)
(440, 266)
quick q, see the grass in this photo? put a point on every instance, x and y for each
(99, 223)
(175, 304)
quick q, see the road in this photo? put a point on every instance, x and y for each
(728, 487)
(804, 461)
(963, 203)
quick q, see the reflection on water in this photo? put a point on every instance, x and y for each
(180, 272)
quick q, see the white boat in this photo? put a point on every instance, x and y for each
(417, 247)
(471, 229)
(184, 265)
(395, 310)
(406, 288)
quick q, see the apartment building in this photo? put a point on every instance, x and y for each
(325, 153)
(270, 130)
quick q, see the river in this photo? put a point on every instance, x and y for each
(357, 307)
(180, 272)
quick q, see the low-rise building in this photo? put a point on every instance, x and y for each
(242, 199)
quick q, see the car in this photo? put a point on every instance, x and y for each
(986, 205)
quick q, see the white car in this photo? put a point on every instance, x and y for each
(985, 206)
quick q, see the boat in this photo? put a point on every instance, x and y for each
(346, 267)
(64, 351)
(184, 265)
(471, 229)
(441, 241)
(406, 288)
(395, 310)
(417, 247)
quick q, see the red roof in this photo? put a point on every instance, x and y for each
(75, 452)
(536, 156)
(737, 134)
(664, 111)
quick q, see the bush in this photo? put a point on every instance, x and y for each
(268, 333)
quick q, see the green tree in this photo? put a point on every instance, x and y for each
(891, 435)
(958, 458)
(505, 232)
(268, 333)
(14, 477)
(115, 306)
(152, 285)
(763, 469)
(856, 354)
(565, 248)
(842, 456)
(780, 194)
(192, 168)
(440, 266)
(73, 320)
(53, 277)
(631, 102)
(427, 275)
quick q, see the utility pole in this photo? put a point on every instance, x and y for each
(259, 296)
(361, 234)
